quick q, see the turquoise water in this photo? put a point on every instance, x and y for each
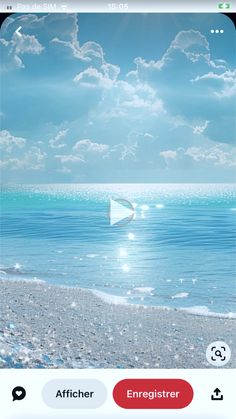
(178, 252)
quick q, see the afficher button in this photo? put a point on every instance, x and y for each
(153, 393)
(74, 394)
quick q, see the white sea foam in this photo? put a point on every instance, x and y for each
(3, 274)
(33, 280)
(144, 290)
(204, 311)
(181, 295)
(196, 310)
(111, 299)
(92, 255)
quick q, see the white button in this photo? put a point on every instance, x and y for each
(74, 394)
(218, 353)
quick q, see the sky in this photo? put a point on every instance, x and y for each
(117, 98)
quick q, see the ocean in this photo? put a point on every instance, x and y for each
(179, 251)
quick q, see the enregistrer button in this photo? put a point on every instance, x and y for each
(153, 393)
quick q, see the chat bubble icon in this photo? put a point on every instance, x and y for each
(18, 393)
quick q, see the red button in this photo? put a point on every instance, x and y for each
(153, 394)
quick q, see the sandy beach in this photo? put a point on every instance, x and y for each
(45, 326)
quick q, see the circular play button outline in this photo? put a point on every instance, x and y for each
(121, 212)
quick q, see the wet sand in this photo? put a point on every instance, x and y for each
(45, 326)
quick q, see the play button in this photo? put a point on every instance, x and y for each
(121, 212)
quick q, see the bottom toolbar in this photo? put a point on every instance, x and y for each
(128, 394)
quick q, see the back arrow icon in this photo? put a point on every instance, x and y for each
(18, 31)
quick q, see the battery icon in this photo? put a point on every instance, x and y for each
(224, 6)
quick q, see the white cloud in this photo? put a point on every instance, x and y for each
(140, 149)
(111, 71)
(148, 136)
(8, 142)
(15, 155)
(132, 102)
(174, 77)
(87, 146)
(184, 40)
(26, 44)
(161, 99)
(56, 141)
(72, 46)
(83, 151)
(218, 155)
(33, 159)
(49, 25)
(227, 76)
(139, 103)
(13, 50)
(199, 129)
(93, 52)
(69, 158)
(191, 43)
(222, 85)
(90, 52)
(12, 163)
(121, 152)
(91, 77)
(98, 72)
(169, 154)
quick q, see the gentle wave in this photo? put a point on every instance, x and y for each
(141, 290)
(204, 311)
(120, 300)
(197, 310)
(109, 298)
(15, 274)
(24, 280)
(181, 295)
